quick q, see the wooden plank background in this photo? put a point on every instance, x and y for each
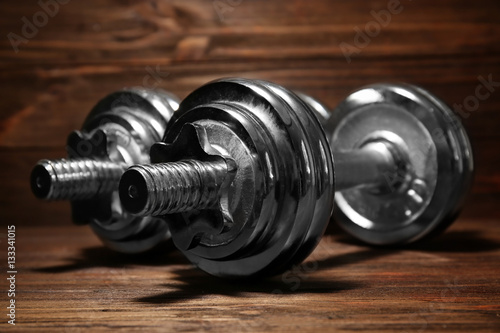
(91, 48)
(88, 50)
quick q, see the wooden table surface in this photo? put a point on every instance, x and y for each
(52, 73)
(68, 281)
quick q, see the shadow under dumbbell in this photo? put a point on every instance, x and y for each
(165, 254)
(353, 258)
(457, 241)
(101, 256)
(192, 284)
(448, 242)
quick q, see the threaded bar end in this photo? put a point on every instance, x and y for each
(166, 188)
(74, 179)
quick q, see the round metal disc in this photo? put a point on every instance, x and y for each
(133, 120)
(437, 155)
(282, 194)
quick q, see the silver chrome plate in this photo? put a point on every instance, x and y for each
(425, 198)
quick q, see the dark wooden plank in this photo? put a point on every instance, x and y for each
(67, 281)
(133, 31)
(44, 105)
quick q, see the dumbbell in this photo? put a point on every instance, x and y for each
(117, 133)
(245, 175)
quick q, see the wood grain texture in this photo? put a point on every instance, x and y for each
(87, 51)
(68, 282)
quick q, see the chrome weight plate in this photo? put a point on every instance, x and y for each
(425, 195)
